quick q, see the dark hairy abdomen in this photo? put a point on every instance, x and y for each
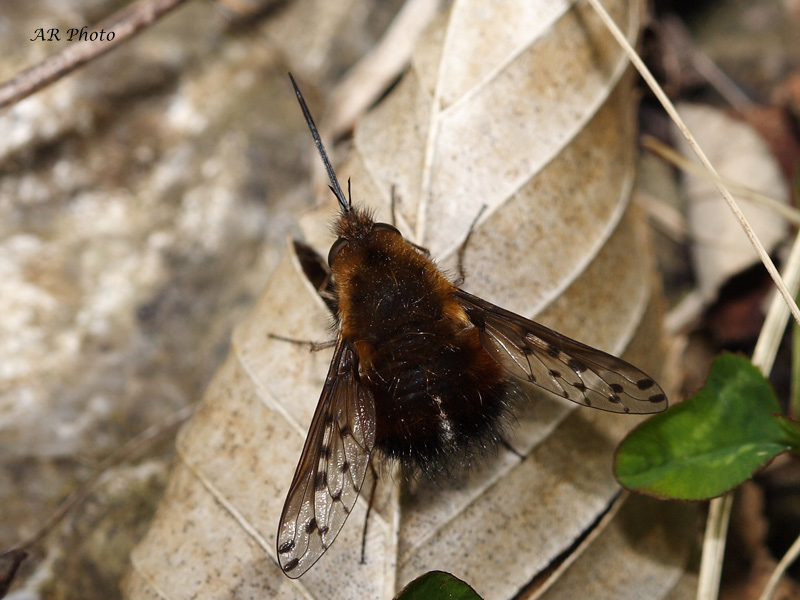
(439, 397)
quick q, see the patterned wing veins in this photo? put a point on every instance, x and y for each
(558, 364)
(332, 466)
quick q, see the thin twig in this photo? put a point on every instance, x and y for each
(714, 539)
(788, 558)
(671, 155)
(124, 24)
(129, 449)
(777, 315)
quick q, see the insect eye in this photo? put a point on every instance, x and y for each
(386, 227)
(337, 247)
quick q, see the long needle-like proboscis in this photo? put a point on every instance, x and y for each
(335, 187)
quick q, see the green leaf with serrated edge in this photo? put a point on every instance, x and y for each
(437, 585)
(710, 443)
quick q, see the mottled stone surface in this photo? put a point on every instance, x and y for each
(143, 203)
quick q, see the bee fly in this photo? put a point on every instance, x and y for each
(423, 373)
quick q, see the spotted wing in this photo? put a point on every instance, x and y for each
(332, 466)
(558, 364)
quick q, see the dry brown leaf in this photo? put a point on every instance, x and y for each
(639, 543)
(523, 107)
(137, 202)
(720, 246)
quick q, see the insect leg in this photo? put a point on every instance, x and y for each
(312, 346)
(463, 248)
(394, 206)
(503, 442)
